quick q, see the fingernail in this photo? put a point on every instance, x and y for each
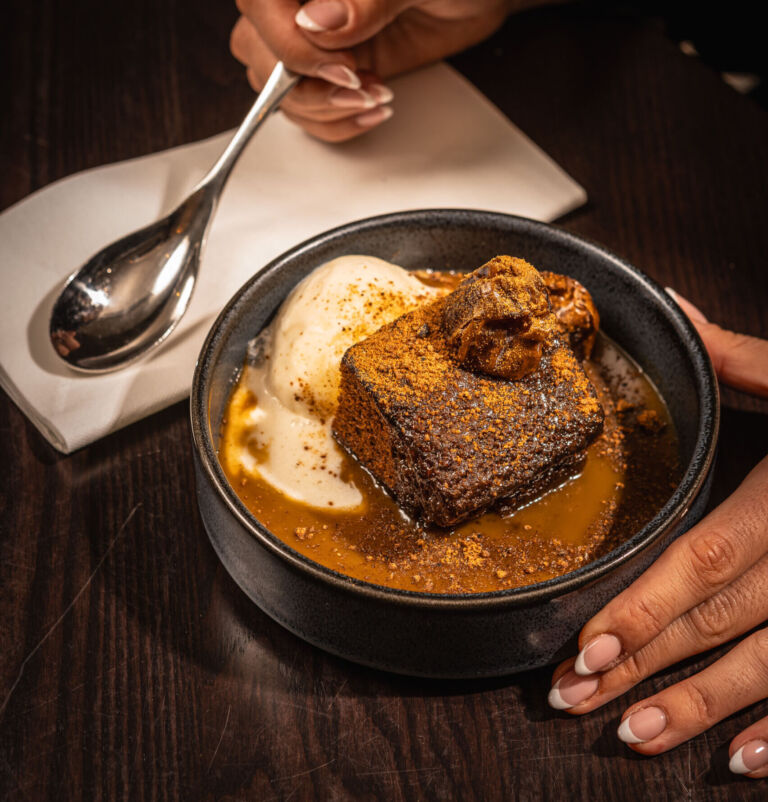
(751, 757)
(570, 690)
(340, 75)
(381, 93)
(351, 99)
(327, 15)
(374, 117)
(598, 654)
(693, 312)
(642, 726)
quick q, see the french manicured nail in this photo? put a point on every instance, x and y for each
(693, 312)
(374, 117)
(381, 93)
(570, 690)
(351, 99)
(598, 654)
(340, 75)
(642, 726)
(750, 757)
(322, 15)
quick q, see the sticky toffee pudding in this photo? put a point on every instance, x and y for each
(463, 434)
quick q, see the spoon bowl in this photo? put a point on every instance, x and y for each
(130, 295)
(128, 298)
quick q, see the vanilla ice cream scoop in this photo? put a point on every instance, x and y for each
(285, 402)
(335, 306)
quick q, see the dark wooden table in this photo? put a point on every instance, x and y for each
(131, 667)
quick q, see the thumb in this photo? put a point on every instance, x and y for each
(335, 24)
(740, 361)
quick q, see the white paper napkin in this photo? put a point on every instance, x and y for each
(446, 146)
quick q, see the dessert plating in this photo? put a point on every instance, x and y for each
(627, 475)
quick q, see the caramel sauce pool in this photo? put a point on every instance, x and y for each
(630, 472)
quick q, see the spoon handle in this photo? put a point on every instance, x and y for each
(279, 83)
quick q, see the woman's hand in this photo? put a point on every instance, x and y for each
(708, 587)
(348, 47)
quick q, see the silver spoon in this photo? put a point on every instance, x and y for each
(129, 296)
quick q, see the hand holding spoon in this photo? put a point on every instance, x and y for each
(129, 296)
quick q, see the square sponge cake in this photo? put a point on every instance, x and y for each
(472, 401)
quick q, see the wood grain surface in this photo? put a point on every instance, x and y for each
(131, 667)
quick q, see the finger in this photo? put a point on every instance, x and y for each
(740, 361)
(334, 24)
(312, 98)
(250, 48)
(733, 611)
(316, 101)
(394, 36)
(348, 128)
(679, 712)
(693, 312)
(720, 548)
(749, 751)
(274, 21)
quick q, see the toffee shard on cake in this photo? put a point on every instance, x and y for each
(426, 407)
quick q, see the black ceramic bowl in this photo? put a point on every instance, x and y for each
(435, 635)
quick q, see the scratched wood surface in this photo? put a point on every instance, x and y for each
(130, 666)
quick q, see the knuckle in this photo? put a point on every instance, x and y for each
(310, 97)
(712, 621)
(701, 703)
(634, 669)
(234, 46)
(753, 514)
(243, 6)
(651, 613)
(293, 54)
(237, 40)
(759, 645)
(712, 556)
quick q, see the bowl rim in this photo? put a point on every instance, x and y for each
(670, 515)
